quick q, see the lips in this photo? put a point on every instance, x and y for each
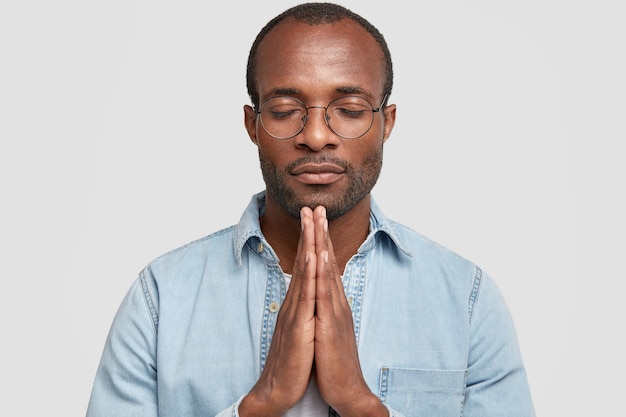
(313, 168)
(318, 173)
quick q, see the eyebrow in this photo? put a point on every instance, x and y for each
(351, 90)
(288, 91)
(284, 91)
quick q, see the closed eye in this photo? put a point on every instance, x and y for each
(349, 112)
(284, 113)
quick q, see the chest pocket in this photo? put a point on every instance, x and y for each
(422, 392)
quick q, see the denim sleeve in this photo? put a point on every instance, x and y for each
(497, 383)
(126, 379)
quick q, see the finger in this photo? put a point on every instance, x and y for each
(302, 287)
(328, 285)
(324, 244)
(306, 244)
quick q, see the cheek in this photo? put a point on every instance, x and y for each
(365, 150)
(275, 152)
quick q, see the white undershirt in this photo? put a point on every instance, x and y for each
(311, 404)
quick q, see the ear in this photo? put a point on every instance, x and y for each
(390, 120)
(249, 120)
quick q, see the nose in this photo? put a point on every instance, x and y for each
(316, 134)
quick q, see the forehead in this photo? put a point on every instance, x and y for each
(317, 59)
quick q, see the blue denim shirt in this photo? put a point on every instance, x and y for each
(192, 335)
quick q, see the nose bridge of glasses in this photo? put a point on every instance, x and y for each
(325, 108)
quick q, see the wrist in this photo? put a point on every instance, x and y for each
(254, 406)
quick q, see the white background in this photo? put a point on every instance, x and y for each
(122, 138)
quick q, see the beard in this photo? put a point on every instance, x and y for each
(360, 183)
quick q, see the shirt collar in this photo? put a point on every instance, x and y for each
(248, 230)
(380, 224)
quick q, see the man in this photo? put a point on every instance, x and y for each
(315, 304)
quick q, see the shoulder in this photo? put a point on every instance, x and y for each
(187, 260)
(422, 249)
(428, 266)
(198, 246)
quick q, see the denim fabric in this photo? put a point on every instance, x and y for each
(192, 335)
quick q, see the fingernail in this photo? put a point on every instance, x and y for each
(326, 225)
(325, 257)
(306, 258)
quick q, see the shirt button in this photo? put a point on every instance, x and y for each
(274, 307)
(260, 247)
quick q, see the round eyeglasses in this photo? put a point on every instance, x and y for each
(349, 117)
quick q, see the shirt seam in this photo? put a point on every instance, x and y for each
(473, 299)
(154, 315)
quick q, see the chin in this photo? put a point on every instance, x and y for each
(336, 206)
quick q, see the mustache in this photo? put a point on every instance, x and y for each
(313, 159)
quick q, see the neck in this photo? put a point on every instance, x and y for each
(347, 232)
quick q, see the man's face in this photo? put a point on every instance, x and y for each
(318, 64)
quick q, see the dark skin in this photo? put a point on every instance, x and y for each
(314, 334)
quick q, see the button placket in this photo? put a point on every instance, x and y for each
(274, 307)
(274, 294)
(353, 282)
